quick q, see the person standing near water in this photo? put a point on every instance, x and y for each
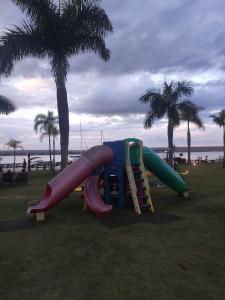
(24, 164)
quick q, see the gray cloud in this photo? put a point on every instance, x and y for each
(151, 38)
(187, 35)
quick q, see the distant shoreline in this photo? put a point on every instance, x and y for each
(74, 152)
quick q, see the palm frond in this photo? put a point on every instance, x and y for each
(44, 123)
(85, 43)
(43, 135)
(183, 88)
(12, 143)
(149, 119)
(41, 11)
(84, 28)
(198, 121)
(39, 126)
(54, 131)
(40, 121)
(167, 89)
(6, 105)
(150, 95)
(18, 43)
(189, 112)
(219, 119)
(189, 105)
(86, 16)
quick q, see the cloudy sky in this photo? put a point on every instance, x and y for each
(152, 40)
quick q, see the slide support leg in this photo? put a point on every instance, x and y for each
(40, 217)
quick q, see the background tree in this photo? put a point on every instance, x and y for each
(166, 102)
(190, 114)
(14, 144)
(219, 120)
(44, 124)
(6, 105)
(56, 32)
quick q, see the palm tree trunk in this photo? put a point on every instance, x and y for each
(189, 143)
(14, 160)
(53, 153)
(63, 112)
(223, 146)
(170, 142)
(50, 150)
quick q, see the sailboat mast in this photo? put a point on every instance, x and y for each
(101, 137)
(81, 140)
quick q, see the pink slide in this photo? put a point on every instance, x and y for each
(92, 198)
(66, 181)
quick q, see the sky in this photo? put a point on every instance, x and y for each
(152, 40)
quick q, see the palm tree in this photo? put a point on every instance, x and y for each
(189, 113)
(6, 105)
(44, 124)
(14, 144)
(219, 120)
(166, 102)
(56, 32)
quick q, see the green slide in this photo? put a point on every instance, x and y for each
(163, 171)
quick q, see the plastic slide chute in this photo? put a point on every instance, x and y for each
(92, 197)
(66, 181)
(163, 171)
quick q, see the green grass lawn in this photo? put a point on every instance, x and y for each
(73, 255)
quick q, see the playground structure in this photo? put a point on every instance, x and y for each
(120, 163)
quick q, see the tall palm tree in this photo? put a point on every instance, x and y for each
(14, 144)
(6, 105)
(190, 113)
(56, 32)
(44, 124)
(166, 102)
(219, 120)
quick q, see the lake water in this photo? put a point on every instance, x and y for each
(212, 155)
(194, 155)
